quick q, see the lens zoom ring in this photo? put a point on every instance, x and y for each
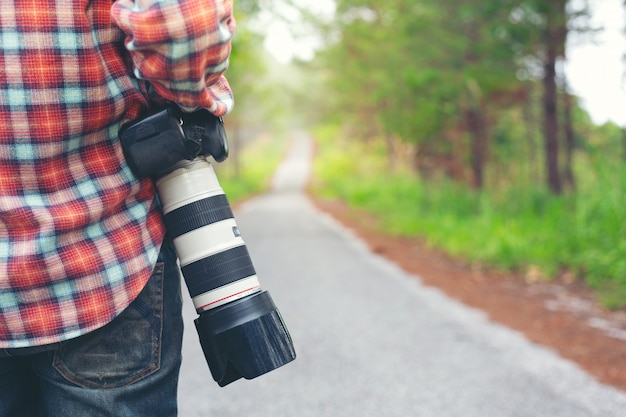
(198, 214)
(218, 270)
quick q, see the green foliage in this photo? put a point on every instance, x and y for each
(258, 160)
(515, 227)
(440, 74)
(414, 66)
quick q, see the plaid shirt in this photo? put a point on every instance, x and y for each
(79, 234)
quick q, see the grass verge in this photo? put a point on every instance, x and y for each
(521, 227)
(252, 172)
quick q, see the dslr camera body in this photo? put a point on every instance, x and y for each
(241, 331)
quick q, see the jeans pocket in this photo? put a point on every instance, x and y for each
(124, 351)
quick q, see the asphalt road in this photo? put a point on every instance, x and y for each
(372, 341)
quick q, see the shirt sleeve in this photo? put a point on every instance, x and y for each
(181, 47)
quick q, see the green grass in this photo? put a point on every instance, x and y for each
(515, 228)
(257, 163)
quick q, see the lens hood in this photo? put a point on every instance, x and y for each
(245, 338)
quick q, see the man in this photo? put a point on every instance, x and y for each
(90, 320)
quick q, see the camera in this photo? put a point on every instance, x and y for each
(241, 331)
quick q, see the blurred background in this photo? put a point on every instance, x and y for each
(493, 129)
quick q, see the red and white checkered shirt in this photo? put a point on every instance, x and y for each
(79, 234)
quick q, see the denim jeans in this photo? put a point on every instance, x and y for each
(127, 368)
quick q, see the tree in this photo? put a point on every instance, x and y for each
(428, 72)
(554, 36)
(552, 20)
(439, 74)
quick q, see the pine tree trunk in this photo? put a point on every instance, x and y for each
(568, 169)
(530, 121)
(551, 124)
(478, 129)
(624, 144)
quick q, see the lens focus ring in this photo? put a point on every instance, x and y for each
(197, 214)
(217, 270)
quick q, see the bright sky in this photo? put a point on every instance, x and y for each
(279, 40)
(595, 70)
